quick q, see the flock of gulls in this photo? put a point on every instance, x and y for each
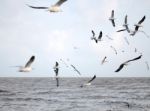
(97, 39)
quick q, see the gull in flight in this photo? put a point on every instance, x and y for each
(137, 26)
(114, 49)
(147, 65)
(75, 69)
(125, 38)
(125, 25)
(125, 63)
(104, 60)
(93, 36)
(27, 67)
(109, 37)
(112, 18)
(89, 82)
(53, 8)
(99, 37)
(56, 69)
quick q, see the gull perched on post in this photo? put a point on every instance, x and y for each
(27, 67)
(53, 8)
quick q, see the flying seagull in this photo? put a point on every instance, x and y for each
(89, 82)
(93, 36)
(100, 36)
(125, 38)
(53, 8)
(147, 65)
(120, 30)
(125, 63)
(56, 69)
(125, 25)
(104, 60)
(112, 18)
(114, 49)
(139, 24)
(27, 67)
(64, 63)
(75, 69)
(109, 37)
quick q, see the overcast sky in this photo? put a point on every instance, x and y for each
(66, 35)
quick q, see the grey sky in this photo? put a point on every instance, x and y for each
(52, 36)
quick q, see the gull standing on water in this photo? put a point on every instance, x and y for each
(53, 8)
(27, 67)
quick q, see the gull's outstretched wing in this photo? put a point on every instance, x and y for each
(37, 7)
(112, 13)
(113, 23)
(142, 20)
(100, 35)
(114, 49)
(120, 67)
(120, 30)
(92, 79)
(125, 20)
(104, 60)
(93, 33)
(28, 64)
(139, 57)
(126, 40)
(60, 2)
(147, 65)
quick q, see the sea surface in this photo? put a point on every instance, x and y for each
(105, 94)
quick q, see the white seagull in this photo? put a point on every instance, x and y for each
(125, 25)
(112, 18)
(139, 24)
(53, 8)
(27, 67)
(89, 82)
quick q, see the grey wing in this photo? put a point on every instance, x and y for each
(126, 40)
(75, 69)
(139, 57)
(127, 28)
(57, 64)
(37, 7)
(28, 64)
(113, 23)
(60, 2)
(93, 33)
(112, 13)
(121, 30)
(103, 60)
(120, 67)
(142, 20)
(92, 79)
(125, 21)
